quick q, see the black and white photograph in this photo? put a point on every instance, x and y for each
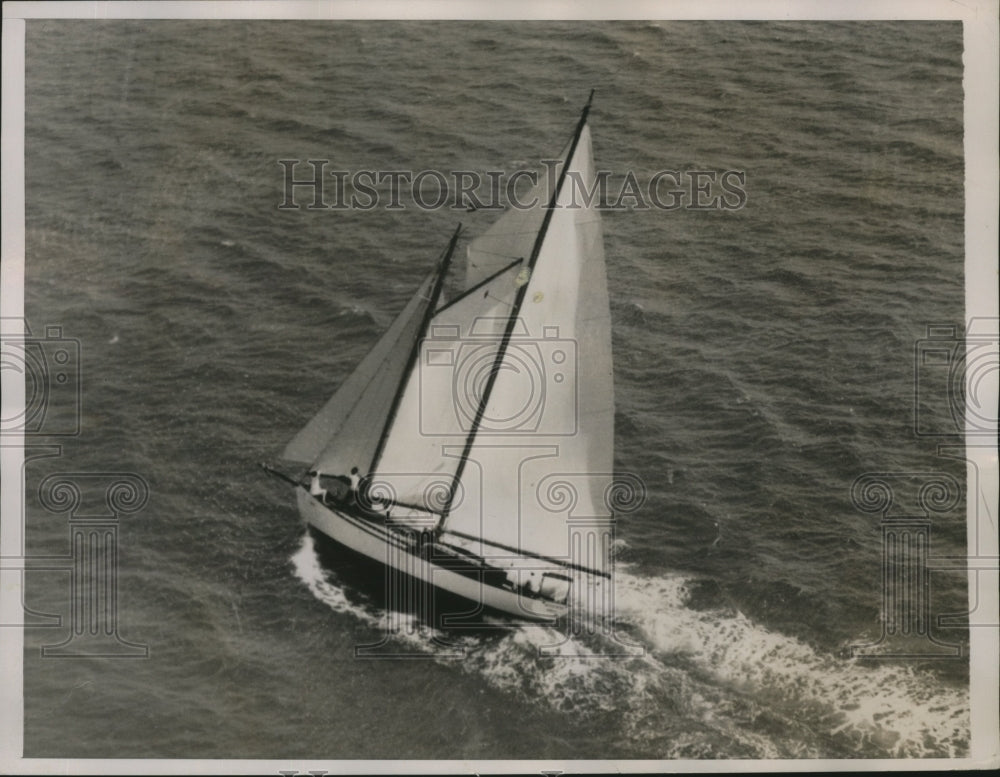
(448, 387)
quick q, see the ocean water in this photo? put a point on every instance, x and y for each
(763, 362)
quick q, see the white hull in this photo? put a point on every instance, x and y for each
(372, 539)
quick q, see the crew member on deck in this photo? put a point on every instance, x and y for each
(355, 482)
(315, 489)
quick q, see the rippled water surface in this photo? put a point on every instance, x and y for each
(763, 361)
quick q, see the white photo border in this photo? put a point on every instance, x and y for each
(980, 26)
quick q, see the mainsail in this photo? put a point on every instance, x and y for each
(536, 478)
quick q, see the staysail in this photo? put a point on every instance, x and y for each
(345, 433)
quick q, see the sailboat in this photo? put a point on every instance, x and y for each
(471, 450)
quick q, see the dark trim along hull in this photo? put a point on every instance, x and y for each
(373, 539)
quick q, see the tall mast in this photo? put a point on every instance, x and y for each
(415, 349)
(515, 311)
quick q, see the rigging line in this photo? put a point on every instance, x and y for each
(506, 254)
(404, 505)
(497, 299)
(494, 235)
(531, 554)
(478, 286)
(415, 348)
(518, 301)
(278, 474)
